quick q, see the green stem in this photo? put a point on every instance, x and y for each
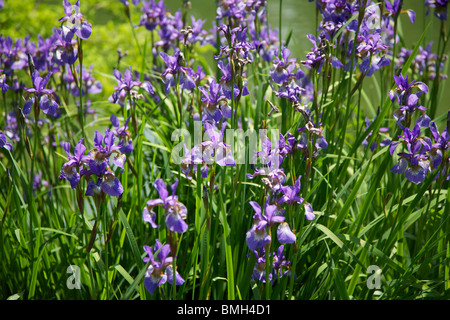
(105, 236)
(80, 85)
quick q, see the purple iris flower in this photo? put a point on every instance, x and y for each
(125, 141)
(415, 162)
(195, 33)
(175, 72)
(90, 84)
(280, 266)
(283, 67)
(71, 169)
(3, 84)
(290, 194)
(197, 76)
(320, 141)
(38, 182)
(110, 184)
(408, 101)
(257, 236)
(291, 91)
(65, 50)
(175, 211)
(47, 97)
(316, 57)
(370, 65)
(99, 157)
(395, 8)
(404, 88)
(412, 140)
(271, 156)
(215, 147)
(211, 99)
(238, 48)
(284, 233)
(126, 84)
(279, 263)
(14, 55)
(11, 129)
(426, 62)
(273, 178)
(226, 82)
(43, 57)
(440, 146)
(4, 143)
(93, 189)
(169, 32)
(259, 270)
(272, 175)
(152, 14)
(417, 169)
(192, 159)
(74, 23)
(160, 269)
(371, 50)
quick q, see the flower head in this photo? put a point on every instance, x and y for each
(71, 169)
(74, 23)
(160, 269)
(175, 72)
(47, 97)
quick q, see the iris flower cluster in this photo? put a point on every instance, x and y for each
(425, 64)
(95, 166)
(422, 155)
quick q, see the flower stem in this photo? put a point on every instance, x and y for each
(80, 86)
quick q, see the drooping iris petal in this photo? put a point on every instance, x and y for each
(169, 273)
(284, 233)
(309, 213)
(400, 167)
(149, 216)
(111, 185)
(257, 238)
(153, 279)
(415, 174)
(176, 223)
